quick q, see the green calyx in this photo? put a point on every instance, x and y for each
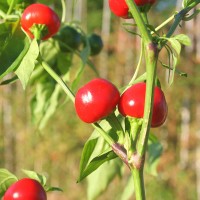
(39, 31)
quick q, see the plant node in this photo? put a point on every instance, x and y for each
(121, 152)
(136, 161)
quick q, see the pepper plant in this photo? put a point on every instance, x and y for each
(122, 123)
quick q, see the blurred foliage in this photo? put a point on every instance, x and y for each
(57, 149)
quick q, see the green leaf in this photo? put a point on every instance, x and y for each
(34, 175)
(175, 61)
(27, 64)
(5, 35)
(86, 155)
(132, 32)
(6, 179)
(51, 105)
(40, 101)
(11, 57)
(41, 179)
(155, 150)
(180, 73)
(183, 39)
(49, 51)
(128, 190)
(3, 5)
(64, 62)
(97, 162)
(176, 45)
(102, 178)
(174, 54)
(152, 138)
(46, 100)
(96, 152)
(50, 189)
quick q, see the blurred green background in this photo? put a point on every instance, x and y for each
(55, 151)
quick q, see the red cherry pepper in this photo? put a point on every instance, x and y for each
(120, 8)
(132, 103)
(40, 14)
(96, 100)
(26, 188)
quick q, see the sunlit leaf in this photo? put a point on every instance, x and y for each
(27, 64)
(96, 152)
(180, 73)
(173, 54)
(50, 189)
(176, 45)
(183, 39)
(51, 104)
(49, 51)
(40, 100)
(155, 150)
(34, 175)
(86, 154)
(102, 177)
(97, 162)
(12, 57)
(6, 179)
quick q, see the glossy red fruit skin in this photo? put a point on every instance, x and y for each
(40, 14)
(96, 100)
(25, 189)
(132, 103)
(120, 8)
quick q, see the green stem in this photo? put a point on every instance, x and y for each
(179, 17)
(138, 183)
(138, 65)
(144, 17)
(151, 53)
(164, 23)
(11, 7)
(63, 11)
(151, 65)
(103, 133)
(133, 9)
(58, 80)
